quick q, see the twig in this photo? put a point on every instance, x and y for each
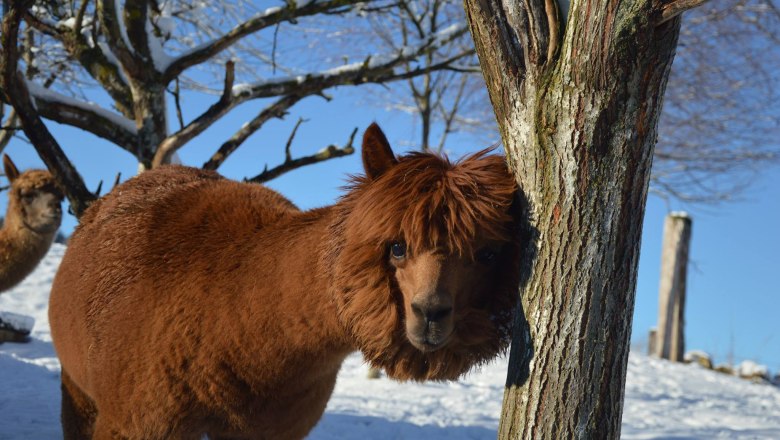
(289, 13)
(276, 110)
(273, 49)
(287, 155)
(327, 153)
(449, 116)
(177, 102)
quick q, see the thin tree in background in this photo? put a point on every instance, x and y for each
(442, 101)
(721, 123)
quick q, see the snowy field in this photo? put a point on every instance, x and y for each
(663, 400)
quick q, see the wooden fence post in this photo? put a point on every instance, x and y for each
(651, 338)
(669, 341)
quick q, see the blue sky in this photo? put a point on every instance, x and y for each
(733, 301)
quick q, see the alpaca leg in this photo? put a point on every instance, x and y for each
(78, 411)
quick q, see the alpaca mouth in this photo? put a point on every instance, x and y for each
(428, 343)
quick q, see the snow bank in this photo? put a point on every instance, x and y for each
(20, 323)
(752, 369)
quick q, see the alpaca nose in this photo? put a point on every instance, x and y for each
(431, 313)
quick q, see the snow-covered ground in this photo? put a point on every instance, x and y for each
(663, 400)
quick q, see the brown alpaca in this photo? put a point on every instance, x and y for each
(188, 304)
(31, 222)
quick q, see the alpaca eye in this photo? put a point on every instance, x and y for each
(485, 256)
(28, 196)
(398, 250)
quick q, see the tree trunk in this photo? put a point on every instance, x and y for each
(670, 339)
(151, 121)
(577, 108)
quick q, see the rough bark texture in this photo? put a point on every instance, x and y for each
(577, 104)
(670, 337)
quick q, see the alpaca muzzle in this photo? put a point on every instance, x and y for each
(431, 325)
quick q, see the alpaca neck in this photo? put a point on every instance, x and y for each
(21, 249)
(304, 316)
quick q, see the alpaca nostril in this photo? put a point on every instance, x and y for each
(431, 313)
(434, 315)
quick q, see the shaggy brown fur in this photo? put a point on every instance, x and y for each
(31, 222)
(190, 304)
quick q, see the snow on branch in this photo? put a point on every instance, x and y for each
(270, 17)
(376, 69)
(116, 32)
(96, 58)
(85, 115)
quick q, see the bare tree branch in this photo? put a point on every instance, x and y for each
(287, 155)
(201, 123)
(7, 127)
(116, 33)
(327, 153)
(673, 8)
(136, 18)
(80, 16)
(16, 91)
(269, 18)
(177, 103)
(276, 110)
(88, 117)
(448, 117)
(91, 57)
(120, 45)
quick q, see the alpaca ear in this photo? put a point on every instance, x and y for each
(11, 172)
(378, 157)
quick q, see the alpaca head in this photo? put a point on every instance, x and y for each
(34, 197)
(426, 269)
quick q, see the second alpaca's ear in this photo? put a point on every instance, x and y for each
(11, 172)
(378, 157)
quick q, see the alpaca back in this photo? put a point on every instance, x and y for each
(165, 231)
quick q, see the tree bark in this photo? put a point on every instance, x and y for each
(577, 104)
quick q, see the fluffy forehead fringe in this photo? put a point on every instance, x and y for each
(431, 202)
(36, 179)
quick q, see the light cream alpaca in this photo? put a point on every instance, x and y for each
(31, 222)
